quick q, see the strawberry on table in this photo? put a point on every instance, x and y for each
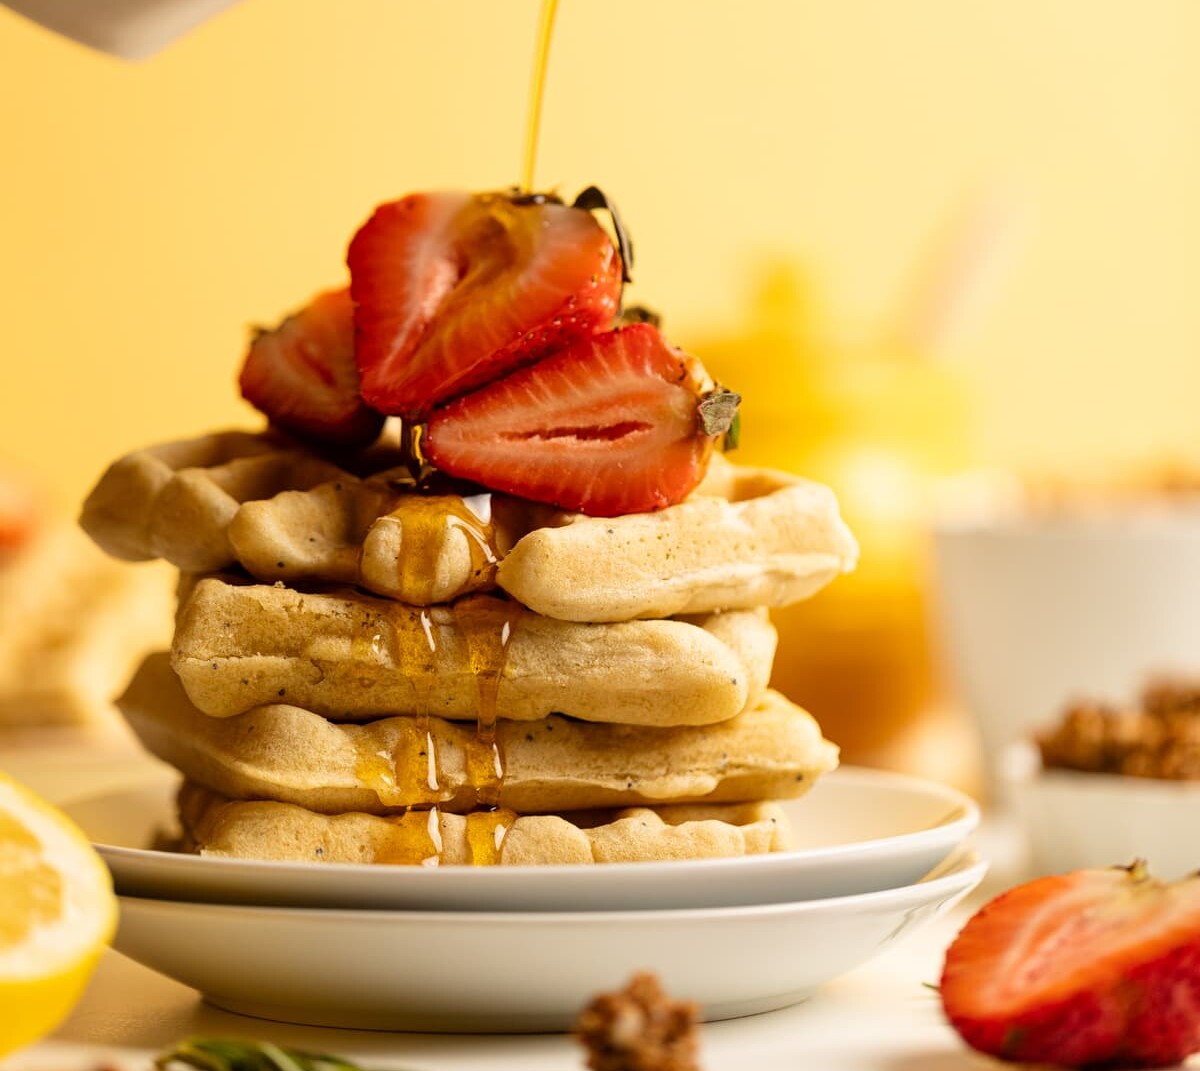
(453, 290)
(615, 423)
(1088, 969)
(302, 375)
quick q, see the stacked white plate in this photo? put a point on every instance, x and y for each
(524, 948)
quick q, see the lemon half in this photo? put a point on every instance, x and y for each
(57, 915)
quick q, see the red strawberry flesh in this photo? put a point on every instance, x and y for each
(607, 426)
(302, 375)
(453, 290)
(1088, 969)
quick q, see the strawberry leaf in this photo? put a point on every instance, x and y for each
(733, 437)
(639, 314)
(593, 199)
(719, 415)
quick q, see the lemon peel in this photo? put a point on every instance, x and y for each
(57, 915)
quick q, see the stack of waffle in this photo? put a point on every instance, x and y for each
(366, 668)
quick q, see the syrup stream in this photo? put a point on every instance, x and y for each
(536, 91)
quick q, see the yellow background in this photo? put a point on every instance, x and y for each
(152, 211)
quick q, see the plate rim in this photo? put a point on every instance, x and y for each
(967, 870)
(962, 818)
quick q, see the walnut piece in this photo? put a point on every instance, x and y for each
(639, 1028)
(1160, 738)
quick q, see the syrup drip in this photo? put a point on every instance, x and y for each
(403, 548)
(366, 642)
(488, 626)
(408, 774)
(536, 91)
(433, 830)
(428, 524)
(486, 831)
(417, 838)
(412, 457)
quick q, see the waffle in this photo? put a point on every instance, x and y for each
(747, 537)
(217, 826)
(420, 549)
(175, 501)
(284, 753)
(364, 673)
(352, 657)
(73, 625)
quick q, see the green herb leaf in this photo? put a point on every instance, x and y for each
(639, 314)
(719, 415)
(733, 437)
(235, 1054)
(594, 198)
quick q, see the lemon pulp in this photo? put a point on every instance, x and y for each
(57, 914)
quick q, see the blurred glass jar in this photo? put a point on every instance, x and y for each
(882, 427)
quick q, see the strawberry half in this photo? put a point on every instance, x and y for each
(1091, 968)
(453, 290)
(302, 375)
(610, 425)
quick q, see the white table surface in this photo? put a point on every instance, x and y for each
(881, 1017)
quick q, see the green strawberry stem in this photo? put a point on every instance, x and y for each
(236, 1054)
(640, 314)
(595, 199)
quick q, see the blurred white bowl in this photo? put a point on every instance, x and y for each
(1035, 612)
(1072, 820)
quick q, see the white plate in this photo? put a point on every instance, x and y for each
(858, 831)
(518, 971)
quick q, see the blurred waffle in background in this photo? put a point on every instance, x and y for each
(73, 623)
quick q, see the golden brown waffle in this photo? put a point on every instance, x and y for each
(217, 826)
(234, 498)
(73, 626)
(420, 549)
(772, 751)
(747, 537)
(175, 501)
(352, 657)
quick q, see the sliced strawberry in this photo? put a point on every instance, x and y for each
(610, 425)
(1096, 967)
(452, 290)
(302, 375)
